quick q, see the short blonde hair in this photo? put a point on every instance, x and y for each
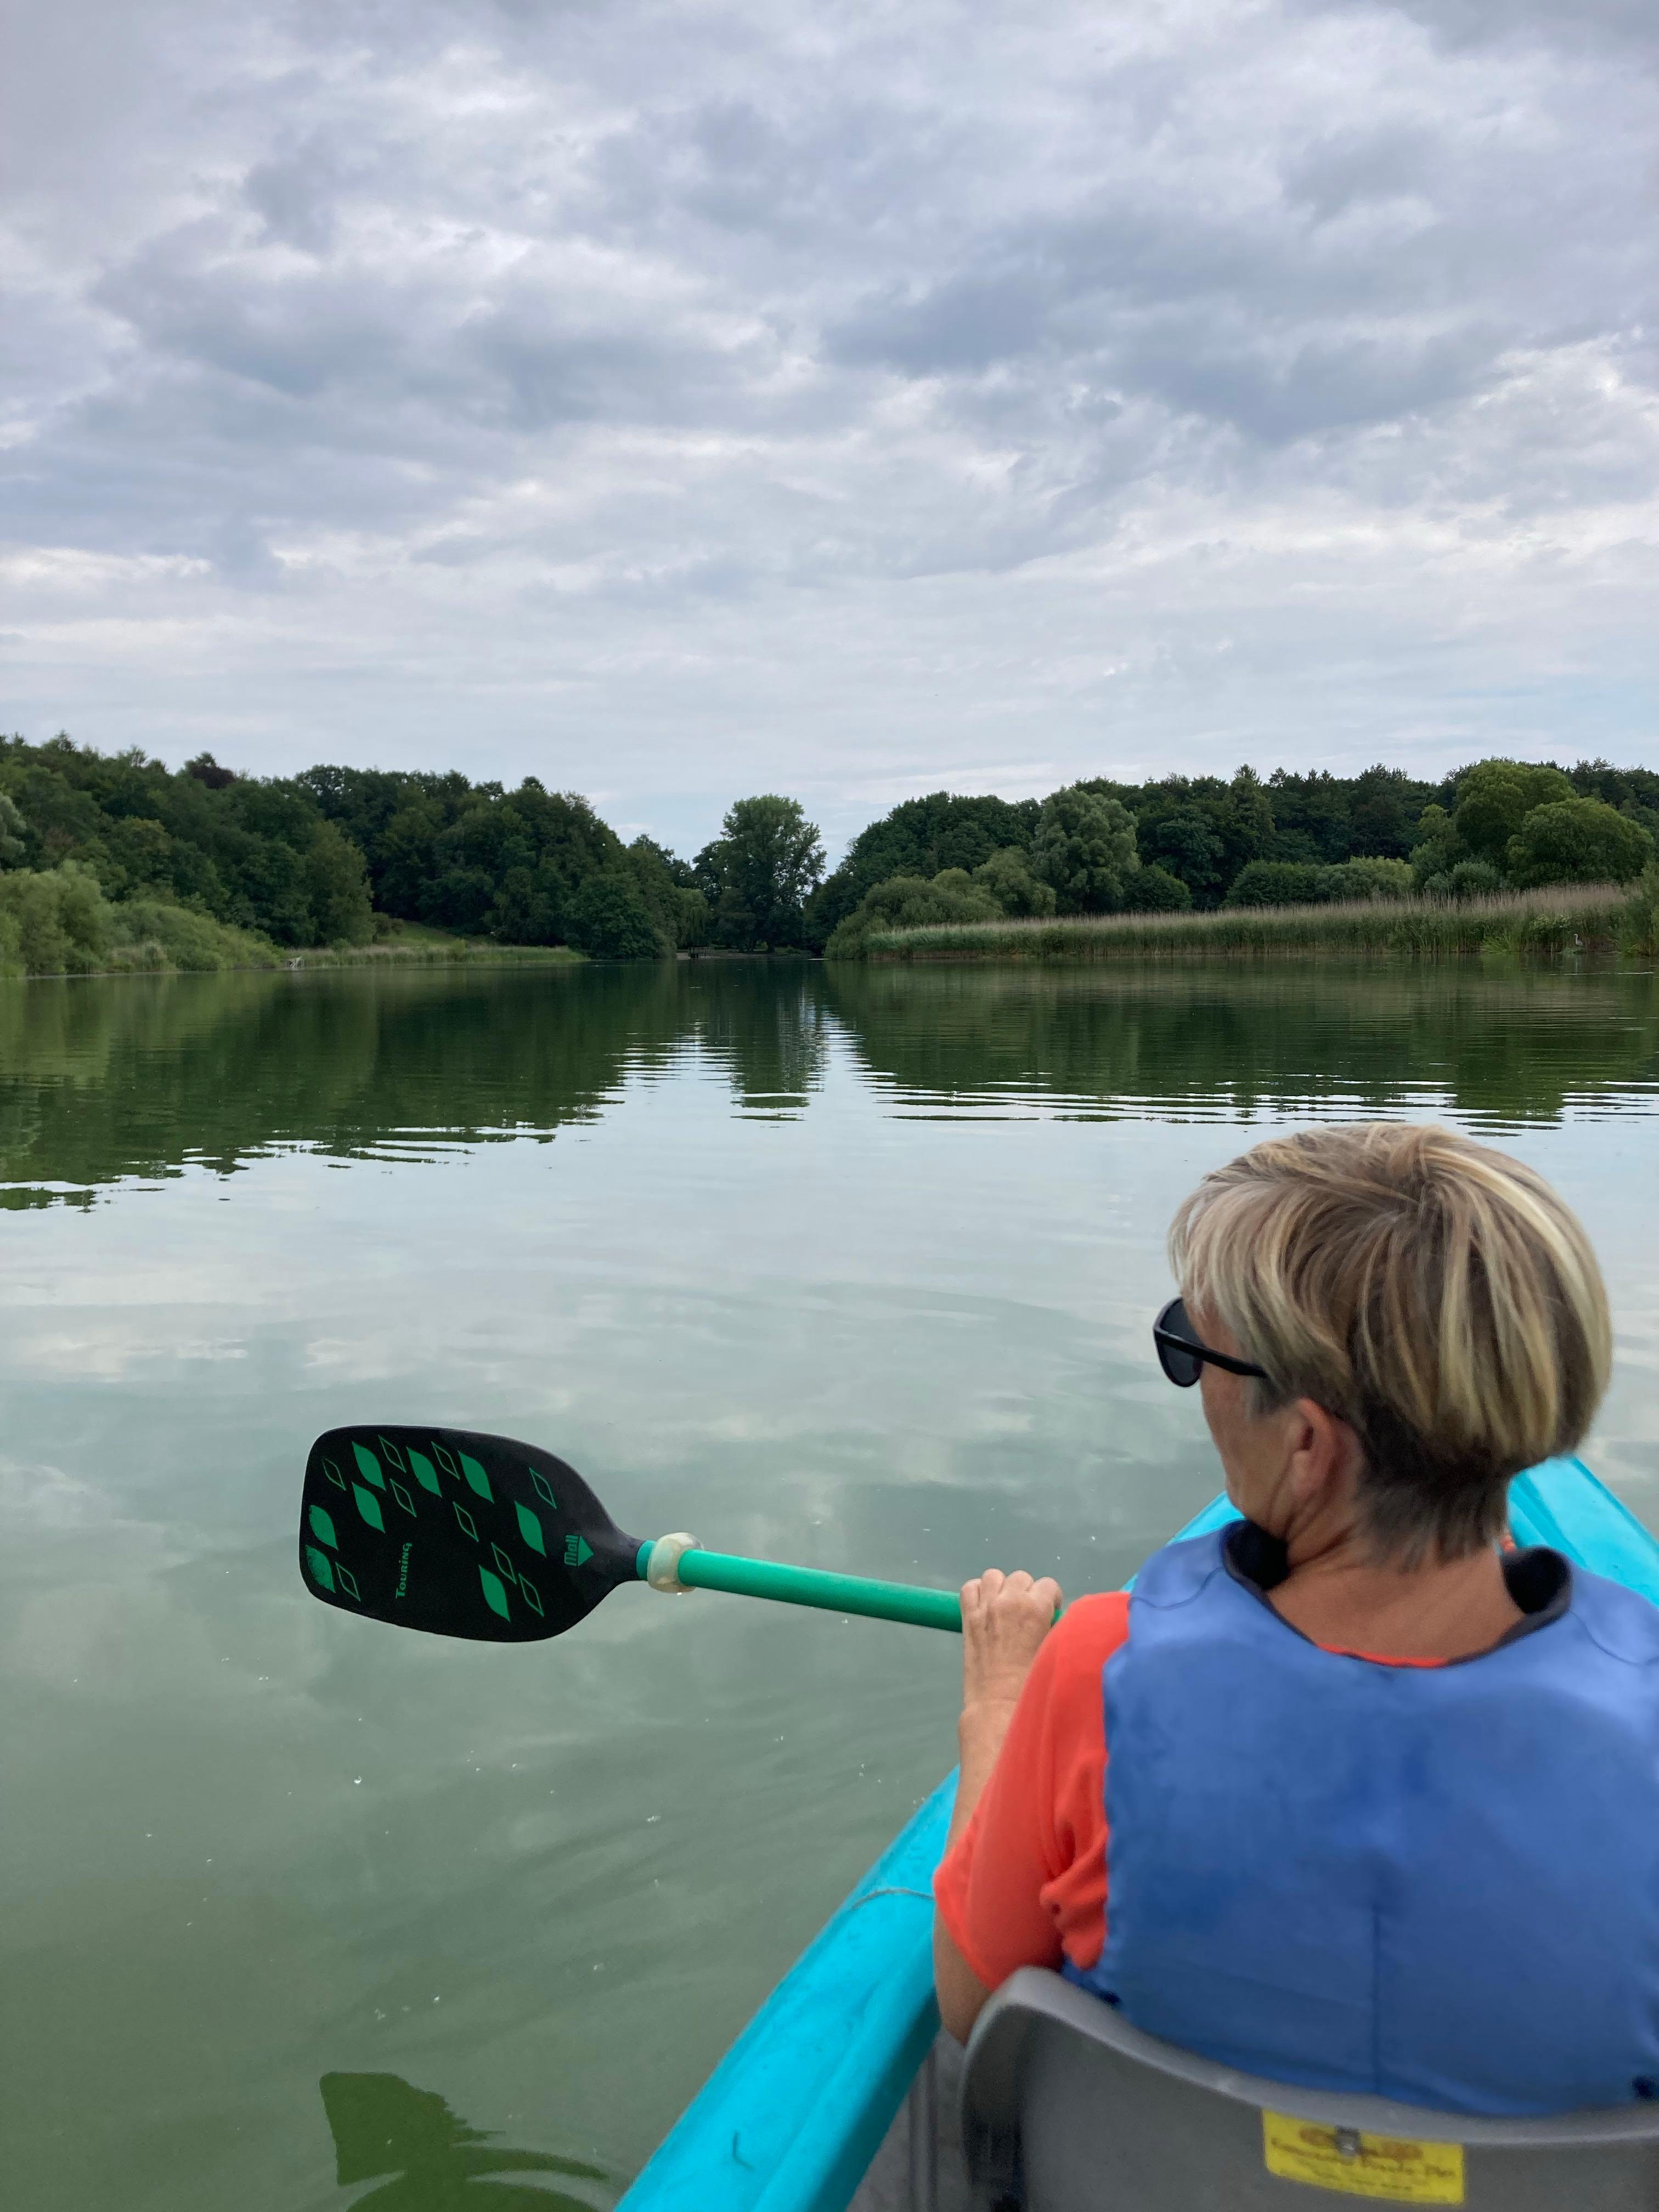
(1435, 1295)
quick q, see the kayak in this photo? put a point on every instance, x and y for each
(838, 2093)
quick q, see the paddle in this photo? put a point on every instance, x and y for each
(464, 1534)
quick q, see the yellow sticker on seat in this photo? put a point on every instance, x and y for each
(1396, 2168)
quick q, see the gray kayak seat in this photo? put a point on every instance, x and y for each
(1066, 2108)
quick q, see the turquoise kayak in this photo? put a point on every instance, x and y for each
(832, 2069)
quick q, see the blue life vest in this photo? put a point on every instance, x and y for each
(1439, 1884)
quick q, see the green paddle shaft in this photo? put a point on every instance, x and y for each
(905, 1601)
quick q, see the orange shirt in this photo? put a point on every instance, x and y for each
(1025, 1880)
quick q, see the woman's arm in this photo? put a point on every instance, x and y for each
(1005, 1619)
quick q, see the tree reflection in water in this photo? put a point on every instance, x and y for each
(433, 2162)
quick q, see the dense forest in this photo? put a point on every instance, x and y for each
(203, 857)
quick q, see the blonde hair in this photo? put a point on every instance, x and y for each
(1435, 1295)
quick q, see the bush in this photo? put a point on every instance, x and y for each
(1471, 879)
(154, 934)
(1578, 841)
(1366, 877)
(910, 902)
(56, 921)
(1006, 877)
(1155, 890)
(1276, 882)
(51, 921)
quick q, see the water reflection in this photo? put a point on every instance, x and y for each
(383, 2125)
(138, 1077)
(853, 1268)
(102, 1080)
(1226, 1042)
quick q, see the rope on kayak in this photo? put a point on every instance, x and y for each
(890, 1889)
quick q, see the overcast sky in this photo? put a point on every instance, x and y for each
(675, 401)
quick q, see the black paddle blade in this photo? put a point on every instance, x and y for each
(457, 1534)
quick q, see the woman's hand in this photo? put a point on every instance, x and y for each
(1004, 1619)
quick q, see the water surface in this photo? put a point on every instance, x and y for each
(851, 1268)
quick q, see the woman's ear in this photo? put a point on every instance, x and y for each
(1322, 1452)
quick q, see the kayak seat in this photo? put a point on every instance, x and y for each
(1066, 2108)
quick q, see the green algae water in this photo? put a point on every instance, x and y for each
(851, 1268)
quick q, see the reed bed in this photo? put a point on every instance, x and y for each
(1544, 923)
(479, 952)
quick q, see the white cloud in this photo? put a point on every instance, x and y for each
(675, 401)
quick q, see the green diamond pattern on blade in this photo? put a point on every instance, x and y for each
(322, 1528)
(531, 1597)
(543, 1489)
(347, 1583)
(321, 1572)
(334, 1474)
(476, 1476)
(393, 1454)
(530, 1529)
(577, 1550)
(368, 1467)
(425, 1474)
(369, 1506)
(446, 1460)
(503, 1563)
(402, 1495)
(495, 1592)
(467, 1522)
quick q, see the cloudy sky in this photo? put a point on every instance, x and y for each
(678, 400)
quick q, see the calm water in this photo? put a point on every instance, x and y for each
(853, 1270)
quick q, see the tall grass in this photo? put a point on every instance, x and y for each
(1543, 923)
(437, 952)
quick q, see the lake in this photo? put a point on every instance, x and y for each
(855, 1268)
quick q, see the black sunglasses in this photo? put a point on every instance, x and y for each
(1181, 1356)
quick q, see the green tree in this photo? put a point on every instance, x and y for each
(658, 876)
(1188, 847)
(759, 874)
(610, 920)
(1578, 841)
(1006, 877)
(1084, 848)
(1383, 813)
(337, 887)
(12, 850)
(1203, 830)
(1494, 798)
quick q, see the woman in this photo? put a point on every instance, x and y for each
(1345, 1794)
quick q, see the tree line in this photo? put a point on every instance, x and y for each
(334, 854)
(1101, 847)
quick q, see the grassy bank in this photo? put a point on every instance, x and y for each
(1542, 924)
(56, 921)
(411, 945)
